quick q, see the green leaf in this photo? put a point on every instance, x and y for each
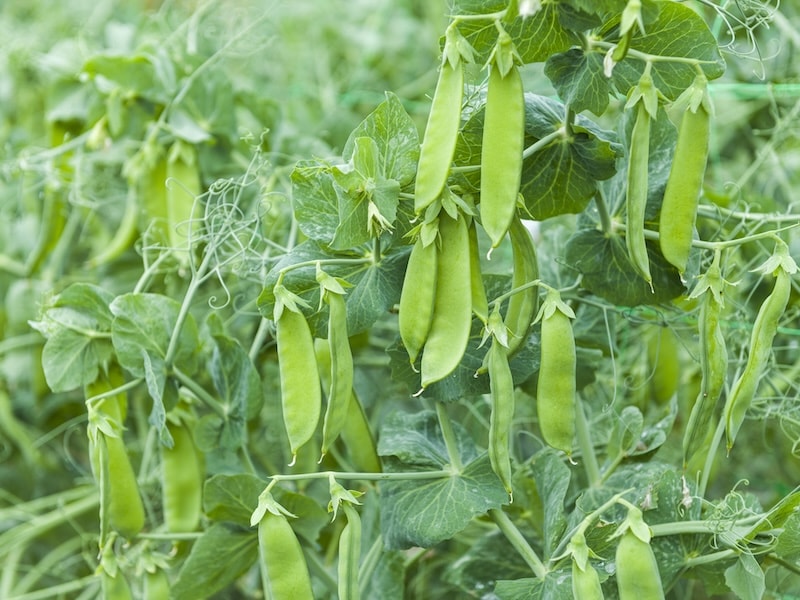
(484, 562)
(555, 586)
(396, 140)
(552, 479)
(677, 32)
(218, 558)
(144, 323)
(426, 512)
(134, 74)
(155, 376)
(315, 199)
(607, 271)
(788, 546)
(745, 578)
(236, 380)
(232, 497)
(579, 79)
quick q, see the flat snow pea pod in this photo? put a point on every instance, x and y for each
(341, 371)
(115, 587)
(556, 387)
(156, 585)
(638, 577)
(636, 196)
(679, 207)
(764, 330)
(349, 555)
(452, 311)
(523, 306)
(284, 571)
(301, 396)
(663, 357)
(441, 133)
(183, 187)
(182, 481)
(501, 387)
(501, 152)
(125, 234)
(480, 304)
(585, 583)
(125, 507)
(417, 298)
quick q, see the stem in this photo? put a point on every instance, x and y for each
(517, 540)
(369, 564)
(59, 590)
(169, 537)
(715, 211)
(710, 456)
(602, 211)
(258, 339)
(544, 142)
(449, 437)
(12, 267)
(326, 262)
(517, 290)
(709, 558)
(18, 342)
(400, 476)
(198, 391)
(590, 464)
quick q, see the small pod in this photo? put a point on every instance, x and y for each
(679, 207)
(556, 387)
(452, 311)
(182, 481)
(441, 134)
(284, 571)
(183, 186)
(480, 304)
(637, 570)
(124, 502)
(115, 587)
(501, 151)
(301, 396)
(501, 387)
(636, 197)
(349, 555)
(523, 306)
(586, 583)
(341, 371)
(417, 298)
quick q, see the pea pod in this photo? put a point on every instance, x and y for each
(284, 571)
(764, 330)
(125, 234)
(115, 587)
(182, 481)
(501, 150)
(586, 583)
(664, 361)
(636, 196)
(341, 371)
(637, 571)
(441, 133)
(501, 387)
(183, 187)
(301, 397)
(480, 304)
(418, 297)
(679, 207)
(556, 388)
(452, 311)
(522, 307)
(156, 585)
(349, 555)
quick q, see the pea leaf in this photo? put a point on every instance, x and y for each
(788, 546)
(745, 578)
(315, 199)
(426, 512)
(579, 79)
(607, 271)
(232, 497)
(555, 586)
(552, 479)
(484, 562)
(218, 557)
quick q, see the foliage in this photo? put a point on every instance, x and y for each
(177, 180)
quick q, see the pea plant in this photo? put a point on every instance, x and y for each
(528, 330)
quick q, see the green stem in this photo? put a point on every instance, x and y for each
(258, 339)
(710, 457)
(12, 267)
(198, 391)
(369, 564)
(590, 464)
(325, 262)
(783, 563)
(400, 476)
(713, 212)
(59, 591)
(544, 142)
(709, 558)
(602, 211)
(170, 537)
(49, 563)
(449, 437)
(18, 342)
(517, 290)
(519, 542)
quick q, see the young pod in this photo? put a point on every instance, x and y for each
(585, 583)
(501, 387)
(637, 571)
(522, 306)
(636, 197)
(480, 304)
(417, 298)
(284, 572)
(349, 555)
(182, 481)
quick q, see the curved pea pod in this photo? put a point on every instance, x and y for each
(636, 196)
(679, 207)
(417, 298)
(556, 387)
(501, 152)
(764, 330)
(341, 371)
(523, 306)
(349, 555)
(501, 388)
(156, 585)
(125, 234)
(183, 187)
(452, 311)
(119, 493)
(284, 571)
(663, 357)
(182, 481)
(637, 571)
(480, 304)
(586, 583)
(301, 396)
(115, 587)
(441, 133)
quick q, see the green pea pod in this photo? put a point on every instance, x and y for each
(764, 330)
(284, 571)
(417, 298)
(713, 365)
(636, 196)
(586, 583)
(119, 487)
(663, 358)
(183, 187)
(679, 207)
(556, 388)
(341, 371)
(182, 481)
(125, 234)
(301, 396)
(637, 571)
(523, 306)
(452, 311)
(480, 304)
(156, 585)
(115, 587)
(501, 152)
(501, 386)
(349, 555)
(441, 133)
